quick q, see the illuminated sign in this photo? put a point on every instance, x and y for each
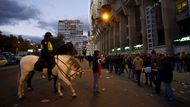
(183, 39)
(127, 48)
(138, 46)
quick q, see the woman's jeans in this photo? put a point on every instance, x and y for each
(168, 93)
(95, 82)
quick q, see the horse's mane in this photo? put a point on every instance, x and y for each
(66, 49)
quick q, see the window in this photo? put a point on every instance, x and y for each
(149, 36)
(181, 6)
(150, 40)
(149, 31)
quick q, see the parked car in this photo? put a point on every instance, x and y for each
(11, 59)
(20, 55)
(3, 61)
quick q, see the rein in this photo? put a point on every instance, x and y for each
(69, 68)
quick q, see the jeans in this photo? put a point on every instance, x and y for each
(95, 82)
(178, 67)
(138, 75)
(154, 77)
(168, 93)
(148, 78)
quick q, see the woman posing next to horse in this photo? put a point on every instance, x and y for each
(47, 53)
(96, 71)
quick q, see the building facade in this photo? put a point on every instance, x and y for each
(72, 31)
(139, 25)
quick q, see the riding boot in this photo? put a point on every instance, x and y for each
(49, 74)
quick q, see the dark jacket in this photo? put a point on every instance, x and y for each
(45, 53)
(165, 71)
(95, 64)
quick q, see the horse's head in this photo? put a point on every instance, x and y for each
(71, 49)
(67, 49)
(69, 67)
(76, 69)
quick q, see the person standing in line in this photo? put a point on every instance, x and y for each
(130, 67)
(147, 70)
(96, 70)
(138, 63)
(165, 74)
(154, 70)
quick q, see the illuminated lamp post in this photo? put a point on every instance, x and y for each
(105, 13)
(105, 17)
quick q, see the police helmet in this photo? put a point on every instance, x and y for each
(48, 34)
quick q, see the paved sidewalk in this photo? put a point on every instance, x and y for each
(183, 77)
(180, 85)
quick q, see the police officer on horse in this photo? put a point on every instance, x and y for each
(47, 53)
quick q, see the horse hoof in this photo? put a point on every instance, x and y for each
(60, 94)
(20, 98)
(74, 95)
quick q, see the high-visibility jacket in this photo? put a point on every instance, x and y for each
(47, 46)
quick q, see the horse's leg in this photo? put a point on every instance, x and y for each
(54, 84)
(72, 90)
(71, 87)
(29, 80)
(21, 86)
(59, 88)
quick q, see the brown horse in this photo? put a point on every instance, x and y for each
(67, 49)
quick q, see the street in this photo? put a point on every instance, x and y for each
(115, 91)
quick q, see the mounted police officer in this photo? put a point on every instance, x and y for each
(47, 53)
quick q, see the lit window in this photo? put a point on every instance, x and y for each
(181, 6)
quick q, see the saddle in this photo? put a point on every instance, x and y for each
(41, 63)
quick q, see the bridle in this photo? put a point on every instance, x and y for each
(67, 75)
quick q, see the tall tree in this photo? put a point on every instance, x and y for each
(58, 41)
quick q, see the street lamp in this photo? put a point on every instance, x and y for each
(105, 16)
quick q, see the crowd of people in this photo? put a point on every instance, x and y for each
(158, 68)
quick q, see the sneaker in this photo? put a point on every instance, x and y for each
(43, 76)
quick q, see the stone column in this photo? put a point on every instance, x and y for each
(170, 25)
(114, 34)
(143, 25)
(98, 42)
(122, 30)
(131, 26)
(102, 41)
(108, 40)
(111, 42)
(105, 41)
(117, 36)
